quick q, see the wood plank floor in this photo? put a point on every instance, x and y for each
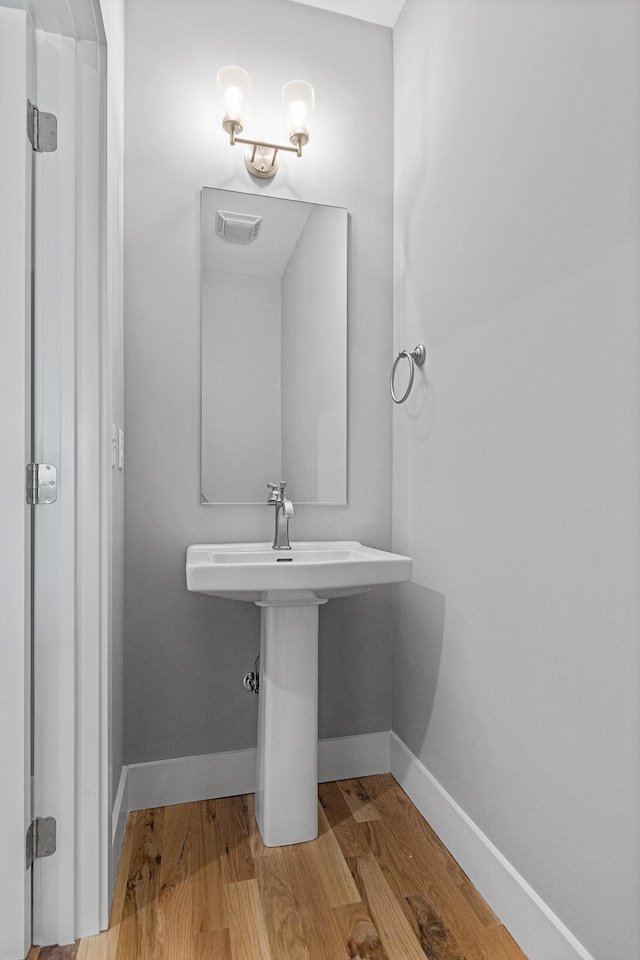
(196, 883)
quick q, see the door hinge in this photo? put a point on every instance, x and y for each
(41, 839)
(42, 483)
(42, 129)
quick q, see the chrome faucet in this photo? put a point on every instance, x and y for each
(284, 511)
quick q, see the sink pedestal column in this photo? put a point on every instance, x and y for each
(287, 766)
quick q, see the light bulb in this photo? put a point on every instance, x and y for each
(233, 104)
(298, 102)
(298, 115)
(234, 86)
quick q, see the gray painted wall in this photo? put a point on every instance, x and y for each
(184, 654)
(516, 656)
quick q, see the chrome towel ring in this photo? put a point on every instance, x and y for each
(414, 357)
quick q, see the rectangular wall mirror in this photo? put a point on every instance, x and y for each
(274, 348)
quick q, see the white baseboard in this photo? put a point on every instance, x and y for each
(538, 931)
(359, 756)
(161, 783)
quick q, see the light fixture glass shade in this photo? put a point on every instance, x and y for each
(234, 85)
(298, 106)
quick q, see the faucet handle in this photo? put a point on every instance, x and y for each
(278, 492)
(279, 487)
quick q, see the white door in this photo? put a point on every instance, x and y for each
(54, 600)
(15, 451)
(69, 716)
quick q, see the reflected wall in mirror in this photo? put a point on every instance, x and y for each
(274, 348)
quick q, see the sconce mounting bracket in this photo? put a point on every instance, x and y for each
(262, 161)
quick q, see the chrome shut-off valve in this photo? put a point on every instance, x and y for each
(251, 681)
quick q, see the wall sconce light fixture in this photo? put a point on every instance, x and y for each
(298, 110)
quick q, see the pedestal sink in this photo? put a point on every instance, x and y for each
(289, 586)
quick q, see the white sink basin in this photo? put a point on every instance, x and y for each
(254, 571)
